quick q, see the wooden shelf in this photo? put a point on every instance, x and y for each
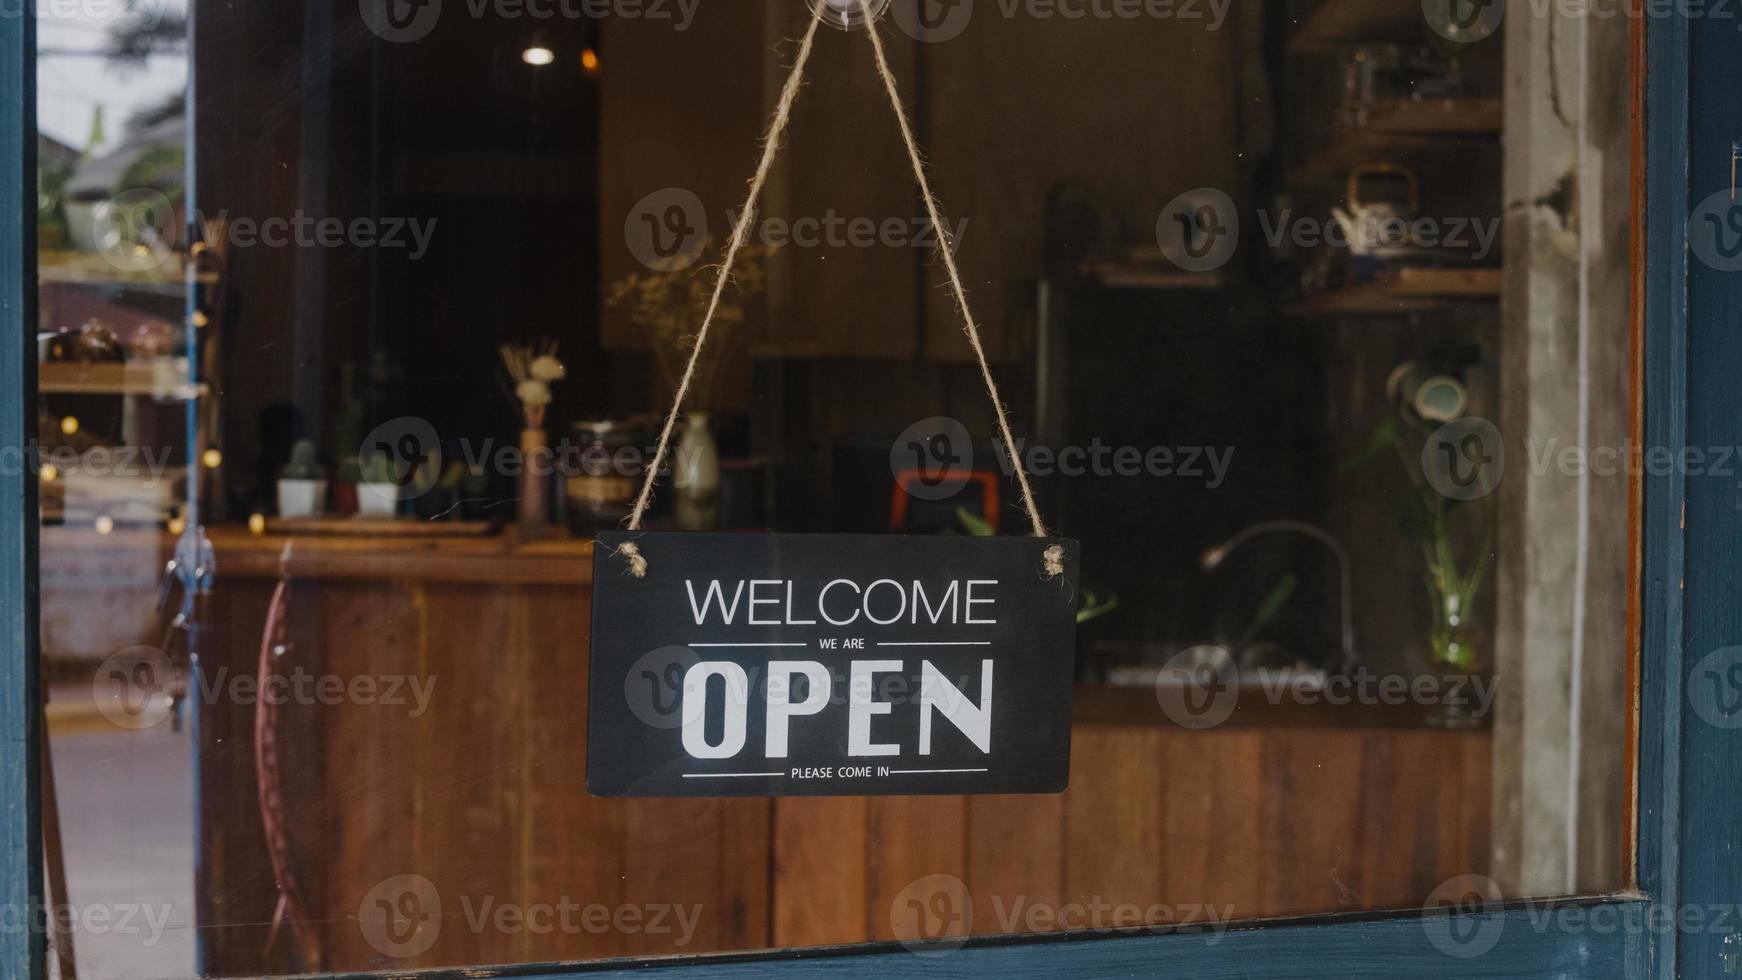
(1337, 23)
(1145, 272)
(1396, 130)
(164, 379)
(1148, 267)
(1436, 116)
(1409, 290)
(374, 527)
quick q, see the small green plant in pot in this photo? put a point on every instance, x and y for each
(302, 485)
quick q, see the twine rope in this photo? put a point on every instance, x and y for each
(1053, 558)
(740, 232)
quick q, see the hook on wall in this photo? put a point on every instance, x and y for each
(849, 15)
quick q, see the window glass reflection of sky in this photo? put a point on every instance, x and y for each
(76, 74)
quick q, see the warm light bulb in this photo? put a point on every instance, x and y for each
(212, 459)
(177, 525)
(105, 524)
(256, 523)
(590, 61)
(69, 425)
(538, 56)
(49, 472)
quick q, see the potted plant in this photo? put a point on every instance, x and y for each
(1456, 538)
(533, 368)
(378, 493)
(302, 485)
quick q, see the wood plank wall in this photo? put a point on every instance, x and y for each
(484, 795)
(1242, 824)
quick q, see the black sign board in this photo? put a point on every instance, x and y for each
(830, 665)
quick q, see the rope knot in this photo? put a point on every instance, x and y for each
(1054, 561)
(637, 564)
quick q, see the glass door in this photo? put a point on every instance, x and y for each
(1354, 342)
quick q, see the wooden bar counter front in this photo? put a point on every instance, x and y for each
(1280, 810)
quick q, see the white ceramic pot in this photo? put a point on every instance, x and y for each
(378, 499)
(301, 498)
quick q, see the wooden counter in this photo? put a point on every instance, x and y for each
(502, 559)
(484, 794)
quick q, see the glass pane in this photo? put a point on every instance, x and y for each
(119, 381)
(359, 320)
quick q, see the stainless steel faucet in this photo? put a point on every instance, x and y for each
(1214, 557)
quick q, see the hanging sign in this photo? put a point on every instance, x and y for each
(830, 665)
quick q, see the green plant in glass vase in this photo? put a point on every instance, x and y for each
(1444, 527)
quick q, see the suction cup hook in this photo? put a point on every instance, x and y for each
(849, 15)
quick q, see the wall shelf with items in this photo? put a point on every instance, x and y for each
(116, 382)
(1394, 145)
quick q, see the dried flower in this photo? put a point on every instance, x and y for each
(533, 393)
(532, 368)
(547, 368)
(669, 306)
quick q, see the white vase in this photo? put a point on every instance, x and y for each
(378, 499)
(696, 475)
(301, 498)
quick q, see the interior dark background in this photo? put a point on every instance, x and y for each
(528, 172)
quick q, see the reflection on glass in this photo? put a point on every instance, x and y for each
(113, 461)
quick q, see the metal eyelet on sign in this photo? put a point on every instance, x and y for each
(849, 15)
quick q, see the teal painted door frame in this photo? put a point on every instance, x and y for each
(21, 949)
